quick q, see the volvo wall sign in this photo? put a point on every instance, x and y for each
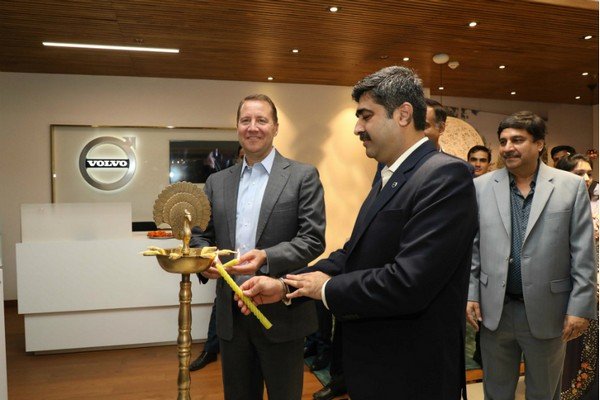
(108, 163)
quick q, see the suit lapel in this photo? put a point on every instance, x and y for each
(543, 190)
(501, 189)
(395, 183)
(278, 178)
(230, 194)
(362, 213)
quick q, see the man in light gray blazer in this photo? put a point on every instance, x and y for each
(533, 282)
(271, 209)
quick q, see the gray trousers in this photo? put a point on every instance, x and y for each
(250, 362)
(502, 349)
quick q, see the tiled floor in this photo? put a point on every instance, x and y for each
(475, 391)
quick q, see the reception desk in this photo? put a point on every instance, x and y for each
(98, 292)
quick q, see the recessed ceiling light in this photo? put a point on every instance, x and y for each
(270, 78)
(295, 51)
(107, 47)
(441, 88)
(472, 24)
(513, 93)
(406, 59)
(587, 37)
(577, 97)
(502, 66)
(334, 9)
(384, 57)
(585, 74)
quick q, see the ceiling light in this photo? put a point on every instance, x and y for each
(502, 66)
(334, 9)
(441, 58)
(295, 51)
(406, 59)
(587, 37)
(106, 47)
(585, 74)
(577, 97)
(384, 57)
(513, 93)
(441, 88)
(472, 24)
(453, 64)
(269, 78)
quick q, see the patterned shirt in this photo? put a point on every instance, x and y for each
(519, 215)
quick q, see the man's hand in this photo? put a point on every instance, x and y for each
(574, 327)
(249, 263)
(211, 272)
(308, 284)
(261, 290)
(473, 314)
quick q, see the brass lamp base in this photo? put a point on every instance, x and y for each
(182, 206)
(186, 265)
(184, 338)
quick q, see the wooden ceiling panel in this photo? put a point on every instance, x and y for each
(539, 41)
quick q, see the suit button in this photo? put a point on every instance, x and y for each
(503, 283)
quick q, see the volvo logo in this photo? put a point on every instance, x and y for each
(106, 163)
(100, 165)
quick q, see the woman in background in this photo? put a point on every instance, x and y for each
(580, 372)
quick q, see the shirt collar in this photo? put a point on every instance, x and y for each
(513, 183)
(404, 156)
(266, 162)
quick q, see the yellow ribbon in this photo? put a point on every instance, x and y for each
(251, 306)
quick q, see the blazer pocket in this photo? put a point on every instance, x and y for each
(561, 285)
(557, 214)
(483, 278)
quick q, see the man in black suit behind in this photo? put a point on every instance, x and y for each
(399, 285)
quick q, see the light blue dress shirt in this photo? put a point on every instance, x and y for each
(253, 181)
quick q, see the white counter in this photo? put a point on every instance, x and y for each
(78, 294)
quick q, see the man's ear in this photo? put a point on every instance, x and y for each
(541, 144)
(442, 127)
(404, 114)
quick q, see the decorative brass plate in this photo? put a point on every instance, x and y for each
(172, 203)
(187, 264)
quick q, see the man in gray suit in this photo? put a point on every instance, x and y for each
(271, 209)
(533, 280)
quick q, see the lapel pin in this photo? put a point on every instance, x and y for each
(394, 184)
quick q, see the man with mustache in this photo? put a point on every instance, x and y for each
(533, 283)
(398, 286)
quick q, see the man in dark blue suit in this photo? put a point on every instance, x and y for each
(399, 285)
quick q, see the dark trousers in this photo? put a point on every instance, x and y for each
(250, 361)
(212, 340)
(331, 332)
(335, 368)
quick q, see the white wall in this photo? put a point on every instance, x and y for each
(316, 124)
